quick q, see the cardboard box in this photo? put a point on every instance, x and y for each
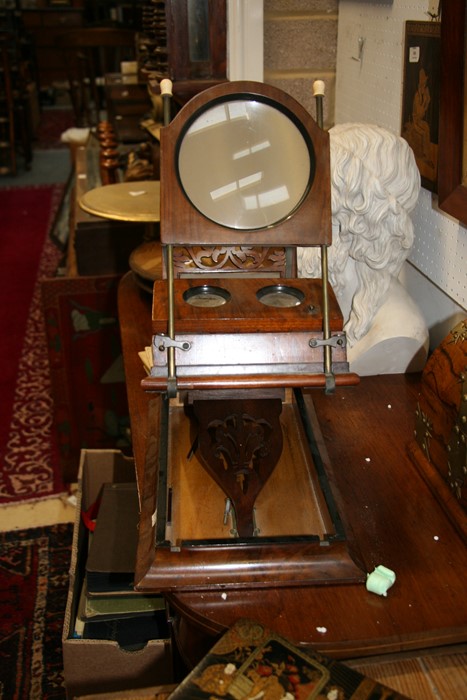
(101, 666)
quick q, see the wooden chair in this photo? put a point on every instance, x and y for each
(88, 54)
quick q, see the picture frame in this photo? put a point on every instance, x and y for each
(420, 99)
(452, 177)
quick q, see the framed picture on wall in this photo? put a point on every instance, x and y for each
(420, 99)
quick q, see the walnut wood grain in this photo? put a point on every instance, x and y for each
(181, 67)
(252, 381)
(239, 444)
(244, 341)
(182, 224)
(244, 312)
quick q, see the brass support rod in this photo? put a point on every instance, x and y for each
(171, 319)
(318, 92)
(166, 92)
(326, 328)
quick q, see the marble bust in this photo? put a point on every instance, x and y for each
(375, 185)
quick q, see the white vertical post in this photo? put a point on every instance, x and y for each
(245, 40)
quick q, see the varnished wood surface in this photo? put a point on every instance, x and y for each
(318, 551)
(262, 379)
(243, 311)
(181, 223)
(392, 513)
(134, 308)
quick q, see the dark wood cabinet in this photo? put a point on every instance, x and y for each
(196, 39)
(46, 20)
(18, 99)
(186, 42)
(183, 41)
(45, 24)
(127, 102)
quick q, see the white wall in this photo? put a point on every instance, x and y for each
(371, 91)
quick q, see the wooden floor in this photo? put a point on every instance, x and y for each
(440, 675)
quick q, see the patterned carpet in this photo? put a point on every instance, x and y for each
(27, 471)
(34, 583)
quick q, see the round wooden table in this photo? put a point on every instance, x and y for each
(390, 508)
(138, 202)
(125, 201)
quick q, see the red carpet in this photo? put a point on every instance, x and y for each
(26, 255)
(34, 568)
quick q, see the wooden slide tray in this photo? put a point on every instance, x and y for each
(301, 540)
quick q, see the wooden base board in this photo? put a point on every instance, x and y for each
(298, 544)
(290, 504)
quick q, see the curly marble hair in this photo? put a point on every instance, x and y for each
(375, 185)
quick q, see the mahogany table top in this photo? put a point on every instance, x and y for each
(395, 518)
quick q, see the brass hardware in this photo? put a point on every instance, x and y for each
(457, 447)
(332, 342)
(423, 429)
(459, 335)
(165, 342)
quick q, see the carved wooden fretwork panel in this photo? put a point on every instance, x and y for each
(229, 259)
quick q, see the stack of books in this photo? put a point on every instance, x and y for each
(109, 607)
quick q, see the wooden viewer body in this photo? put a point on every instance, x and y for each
(240, 494)
(245, 336)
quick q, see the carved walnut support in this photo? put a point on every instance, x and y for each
(240, 442)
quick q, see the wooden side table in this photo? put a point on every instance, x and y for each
(125, 201)
(136, 202)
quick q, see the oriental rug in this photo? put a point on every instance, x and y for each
(34, 567)
(27, 254)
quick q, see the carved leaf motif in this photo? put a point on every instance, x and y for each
(240, 443)
(239, 440)
(216, 253)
